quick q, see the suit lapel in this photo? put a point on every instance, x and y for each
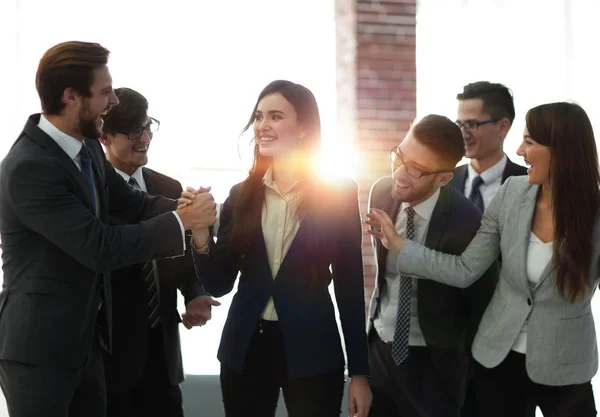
(152, 185)
(391, 206)
(460, 178)
(512, 169)
(524, 231)
(439, 218)
(46, 142)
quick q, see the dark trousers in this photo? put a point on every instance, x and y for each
(34, 391)
(474, 386)
(430, 382)
(153, 396)
(256, 392)
(507, 391)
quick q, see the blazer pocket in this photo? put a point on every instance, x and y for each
(48, 286)
(576, 340)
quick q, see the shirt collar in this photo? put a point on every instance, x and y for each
(268, 182)
(68, 144)
(425, 208)
(137, 175)
(491, 174)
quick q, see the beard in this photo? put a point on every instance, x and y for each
(87, 123)
(413, 193)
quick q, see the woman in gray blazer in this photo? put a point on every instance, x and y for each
(536, 342)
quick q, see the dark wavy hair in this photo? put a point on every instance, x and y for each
(247, 210)
(575, 181)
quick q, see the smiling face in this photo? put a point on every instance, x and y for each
(537, 157)
(89, 110)
(128, 155)
(484, 141)
(276, 126)
(418, 158)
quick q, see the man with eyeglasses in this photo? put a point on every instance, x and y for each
(419, 330)
(145, 368)
(485, 114)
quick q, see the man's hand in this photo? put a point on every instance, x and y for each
(198, 311)
(197, 210)
(359, 397)
(384, 229)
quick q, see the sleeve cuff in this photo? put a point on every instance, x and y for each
(182, 229)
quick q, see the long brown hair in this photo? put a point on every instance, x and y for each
(247, 210)
(575, 180)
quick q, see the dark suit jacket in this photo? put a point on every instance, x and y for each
(462, 172)
(56, 251)
(306, 314)
(448, 316)
(125, 366)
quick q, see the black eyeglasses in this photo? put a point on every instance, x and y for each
(472, 125)
(150, 128)
(398, 160)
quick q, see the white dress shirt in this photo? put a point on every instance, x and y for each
(492, 180)
(385, 321)
(72, 146)
(538, 256)
(137, 175)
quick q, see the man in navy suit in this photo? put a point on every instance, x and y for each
(485, 115)
(145, 368)
(420, 334)
(57, 192)
(486, 112)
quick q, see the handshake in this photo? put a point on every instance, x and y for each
(197, 209)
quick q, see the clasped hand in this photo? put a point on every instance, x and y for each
(197, 208)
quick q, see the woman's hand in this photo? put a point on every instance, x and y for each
(382, 227)
(359, 397)
(186, 197)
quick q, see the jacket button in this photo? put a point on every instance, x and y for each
(529, 302)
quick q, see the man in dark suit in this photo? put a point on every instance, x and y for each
(420, 334)
(145, 368)
(486, 112)
(57, 192)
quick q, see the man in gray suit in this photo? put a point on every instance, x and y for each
(420, 333)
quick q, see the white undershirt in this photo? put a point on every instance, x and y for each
(538, 256)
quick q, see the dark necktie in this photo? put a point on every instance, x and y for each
(402, 328)
(88, 174)
(475, 197)
(88, 177)
(149, 276)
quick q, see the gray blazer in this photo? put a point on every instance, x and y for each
(561, 336)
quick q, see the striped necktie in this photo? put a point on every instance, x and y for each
(149, 275)
(402, 328)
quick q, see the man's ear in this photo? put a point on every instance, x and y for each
(105, 139)
(445, 178)
(504, 128)
(70, 97)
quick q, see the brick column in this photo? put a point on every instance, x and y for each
(376, 88)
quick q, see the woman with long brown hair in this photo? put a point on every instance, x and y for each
(536, 342)
(289, 233)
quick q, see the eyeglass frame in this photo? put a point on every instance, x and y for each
(398, 152)
(146, 128)
(475, 123)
